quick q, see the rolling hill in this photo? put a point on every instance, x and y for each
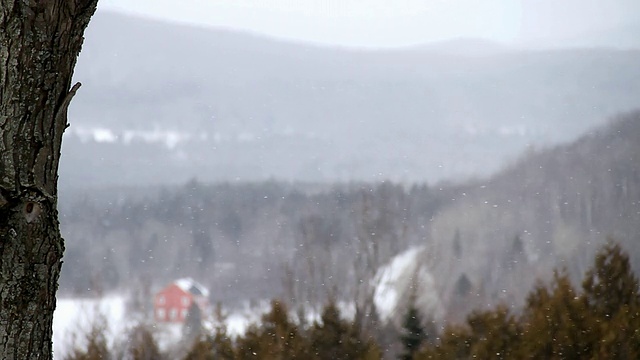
(550, 209)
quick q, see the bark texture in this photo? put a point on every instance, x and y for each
(39, 44)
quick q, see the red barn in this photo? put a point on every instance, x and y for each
(172, 303)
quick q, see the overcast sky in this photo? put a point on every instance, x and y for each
(382, 23)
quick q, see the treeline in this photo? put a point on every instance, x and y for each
(248, 238)
(600, 320)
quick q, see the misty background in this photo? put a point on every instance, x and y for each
(307, 150)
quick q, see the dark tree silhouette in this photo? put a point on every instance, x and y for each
(413, 333)
(39, 44)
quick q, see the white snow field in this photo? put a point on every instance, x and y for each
(74, 317)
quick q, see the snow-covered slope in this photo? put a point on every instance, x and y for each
(405, 279)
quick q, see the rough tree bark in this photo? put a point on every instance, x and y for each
(39, 44)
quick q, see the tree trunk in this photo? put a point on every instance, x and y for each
(39, 44)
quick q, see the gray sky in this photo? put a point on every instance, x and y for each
(382, 23)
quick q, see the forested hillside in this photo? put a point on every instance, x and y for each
(484, 241)
(242, 237)
(551, 208)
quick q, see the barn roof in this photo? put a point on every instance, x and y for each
(193, 287)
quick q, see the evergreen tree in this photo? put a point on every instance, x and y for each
(413, 335)
(95, 343)
(557, 322)
(463, 286)
(141, 344)
(612, 294)
(455, 343)
(223, 346)
(192, 328)
(495, 334)
(217, 347)
(201, 350)
(276, 338)
(457, 245)
(611, 284)
(516, 254)
(250, 345)
(335, 338)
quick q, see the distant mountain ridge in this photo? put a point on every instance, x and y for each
(163, 103)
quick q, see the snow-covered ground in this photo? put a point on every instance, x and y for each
(74, 317)
(405, 278)
(395, 282)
